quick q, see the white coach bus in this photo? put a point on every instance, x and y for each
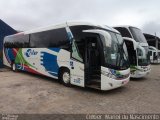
(138, 50)
(71, 53)
(154, 54)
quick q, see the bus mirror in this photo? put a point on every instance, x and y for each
(141, 52)
(135, 44)
(108, 39)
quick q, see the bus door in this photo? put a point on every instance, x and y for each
(92, 62)
(76, 66)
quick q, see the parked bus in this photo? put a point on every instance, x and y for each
(71, 52)
(138, 50)
(154, 54)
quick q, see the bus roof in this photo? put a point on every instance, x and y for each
(56, 26)
(68, 24)
(112, 29)
(126, 26)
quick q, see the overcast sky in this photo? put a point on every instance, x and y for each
(29, 14)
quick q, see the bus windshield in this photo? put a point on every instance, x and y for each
(116, 55)
(143, 61)
(137, 35)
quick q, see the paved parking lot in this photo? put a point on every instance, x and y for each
(27, 93)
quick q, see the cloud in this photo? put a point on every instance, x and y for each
(29, 14)
(152, 28)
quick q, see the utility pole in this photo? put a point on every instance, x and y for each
(156, 43)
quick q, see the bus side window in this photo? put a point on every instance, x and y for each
(78, 44)
(66, 46)
(50, 39)
(75, 52)
(17, 41)
(124, 32)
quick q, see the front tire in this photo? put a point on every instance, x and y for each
(65, 77)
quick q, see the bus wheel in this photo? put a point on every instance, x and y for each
(65, 77)
(14, 67)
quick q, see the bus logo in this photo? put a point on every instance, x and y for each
(31, 52)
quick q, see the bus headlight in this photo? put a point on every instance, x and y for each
(108, 74)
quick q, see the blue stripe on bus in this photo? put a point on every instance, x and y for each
(54, 49)
(49, 62)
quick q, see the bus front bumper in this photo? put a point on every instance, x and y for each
(156, 61)
(139, 74)
(112, 83)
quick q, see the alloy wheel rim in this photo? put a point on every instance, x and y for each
(66, 77)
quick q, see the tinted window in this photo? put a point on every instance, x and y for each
(138, 35)
(51, 38)
(80, 37)
(78, 33)
(17, 41)
(124, 32)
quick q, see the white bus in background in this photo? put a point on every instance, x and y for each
(81, 54)
(154, 54)
(138, 50)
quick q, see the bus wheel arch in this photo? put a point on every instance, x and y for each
(64, 76)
